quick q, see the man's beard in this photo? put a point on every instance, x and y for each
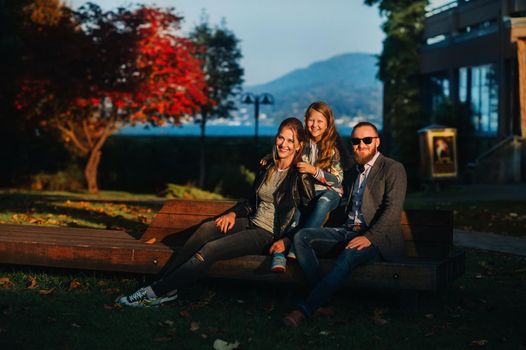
(362, 160)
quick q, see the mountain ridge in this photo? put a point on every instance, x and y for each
(347, 82)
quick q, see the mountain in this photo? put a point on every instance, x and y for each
(346, 82)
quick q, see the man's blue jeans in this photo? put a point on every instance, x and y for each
(323, 203)
(314, 242)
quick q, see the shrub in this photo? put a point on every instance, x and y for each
(70, 179)
(231, 180)
(188, 192)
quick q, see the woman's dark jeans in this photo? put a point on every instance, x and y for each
(208, 245)
(314, 242)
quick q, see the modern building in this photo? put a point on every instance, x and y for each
(473, 66)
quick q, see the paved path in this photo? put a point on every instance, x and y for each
(490, 241)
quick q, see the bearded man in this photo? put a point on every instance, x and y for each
(371, 232)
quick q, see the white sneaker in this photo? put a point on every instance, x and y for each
(141, 299)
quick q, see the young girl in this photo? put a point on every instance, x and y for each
(321, 160)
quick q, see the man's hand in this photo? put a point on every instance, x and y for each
(226, 222)
(306, 168)
(359, 243)
(279, 246)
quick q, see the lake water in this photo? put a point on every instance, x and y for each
(211, 130)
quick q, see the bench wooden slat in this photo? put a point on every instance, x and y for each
(204, 208)
(427, 234)
(73, 231)
(94, 258)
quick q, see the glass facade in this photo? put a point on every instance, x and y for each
(440, 91)
(482, 85)
(477, 87)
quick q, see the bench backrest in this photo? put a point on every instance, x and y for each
(427, 233)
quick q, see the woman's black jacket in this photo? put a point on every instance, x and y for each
(295, 191)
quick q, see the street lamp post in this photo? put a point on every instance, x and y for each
(264, 99)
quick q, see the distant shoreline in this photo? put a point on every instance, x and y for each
(211, 130)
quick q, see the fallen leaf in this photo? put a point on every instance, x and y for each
(162, 339)
(323, 333)
(430, 316)
(377, 317)
(5, 282)
(109, 307)
(151, 241)
(32, 283)
(268, 308)
(481, 342)
(76, 325)
(220, 344)
(194, 326)
(204, 336)
(167, 323)
(184, 314)
(74, 284)
(46, 291)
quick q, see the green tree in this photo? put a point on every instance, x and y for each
(399, 71)
(220, 55)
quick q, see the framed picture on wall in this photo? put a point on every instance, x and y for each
(442, 144)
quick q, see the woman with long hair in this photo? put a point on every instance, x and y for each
(247, 228)
(321, 161)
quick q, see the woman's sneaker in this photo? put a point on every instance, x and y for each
(291, 254)
(279, 263)
(141, 299)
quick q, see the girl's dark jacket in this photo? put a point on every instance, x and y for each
(295, 191)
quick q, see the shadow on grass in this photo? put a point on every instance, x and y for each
(94, 212)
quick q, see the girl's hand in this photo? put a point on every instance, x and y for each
(306, 168)
(226, 222)
(279, 246)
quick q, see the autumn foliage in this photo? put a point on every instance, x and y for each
(92, 72)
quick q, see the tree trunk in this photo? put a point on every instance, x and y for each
(92, 165)
(202, 161)
(91, 170)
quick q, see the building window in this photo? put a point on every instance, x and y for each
(440, 91)
(484, 99)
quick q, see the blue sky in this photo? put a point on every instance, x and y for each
(278, 36)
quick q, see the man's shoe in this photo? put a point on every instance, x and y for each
(141, 299)
(293, 319)
(279, 263)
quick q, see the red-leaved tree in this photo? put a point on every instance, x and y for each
(95, 72)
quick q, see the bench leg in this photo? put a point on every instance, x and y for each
(409, 301)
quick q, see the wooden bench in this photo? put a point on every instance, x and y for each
(431, 264)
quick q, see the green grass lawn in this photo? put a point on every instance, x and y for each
(52, 309)
(67, 309)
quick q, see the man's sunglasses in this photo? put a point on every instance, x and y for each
(367, 140)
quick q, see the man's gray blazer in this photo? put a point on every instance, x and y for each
(382, 205)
